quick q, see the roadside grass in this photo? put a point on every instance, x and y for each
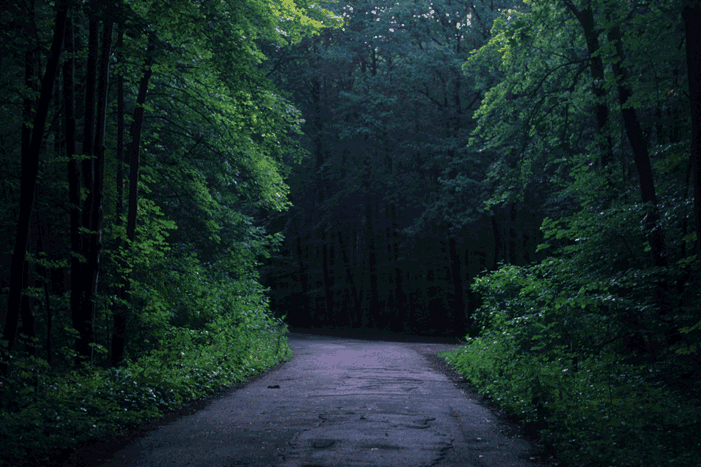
(597, 412)
(43, 413)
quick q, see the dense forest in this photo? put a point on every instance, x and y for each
(182, 179)
(141, 144)
(525, 175)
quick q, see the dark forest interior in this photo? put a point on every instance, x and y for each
(182, 180)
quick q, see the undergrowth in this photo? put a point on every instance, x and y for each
(555, 353)
(44, 411)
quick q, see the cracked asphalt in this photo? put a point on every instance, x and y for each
(337, 402)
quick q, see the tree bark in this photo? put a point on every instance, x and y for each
(118, 309)
(349, 279)
(640, 152)
(372, 264)
(691, 15)
(93, 177)
(596, 68)
(303, 276)
(73, 172)
(456, 275)
(497, 240)
(46, 279)
(28, 327)
(82, 315)
(400, 299)
(119, 207)
(136, 129)
(96, 216)
(119, 333)
(30, 172)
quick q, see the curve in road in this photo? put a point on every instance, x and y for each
(337, 402)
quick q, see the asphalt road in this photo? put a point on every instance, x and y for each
(337, 402)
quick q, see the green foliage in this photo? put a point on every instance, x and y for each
(576, 348)
(594, 411)
(216, 139)
(44, 411)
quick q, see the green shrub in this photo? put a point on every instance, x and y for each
(557, 351)
(43, 411)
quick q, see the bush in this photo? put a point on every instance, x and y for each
(558, 351)
(601, 413)
(43, 411)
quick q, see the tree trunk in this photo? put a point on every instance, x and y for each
(303, 276)
(647, 188)
(118, 309)
(136, 128)
(119, 333)
(400, 299)
(691, 14)
(640, 153)
(458, 298)
(349, 278)
(511, 209)
(30, 172)
(596, 68)
(119, 207)
(372, 264)
(497, 240)
(82, 315)
(73, 172)
(46, 279)
(94, 179)
(28, 327)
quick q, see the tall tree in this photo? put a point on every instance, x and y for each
(691, 15)
(30, 169)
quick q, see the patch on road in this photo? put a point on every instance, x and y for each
(360, 438)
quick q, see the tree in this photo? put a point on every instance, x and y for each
(388, 116)
(30, 169)
(691, 14)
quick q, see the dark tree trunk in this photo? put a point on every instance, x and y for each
(136, 129)
(82, 315)
(93, 205)
(118, 309)
(349, 279)
(303, 277)
(512, 234)
(119, 207)
(328, 291)
(458, 298)
(596, 68)
(46, 279)
(93, 179)
(73, 172)
(647, 188)
(691, 15)
(30, 83)
(390, 307)
(28, 327)
(30, 172)
(119, 333)
(372, 263)
(497, 240)
(640, 153)
(399, 300)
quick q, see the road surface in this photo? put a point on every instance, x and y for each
(337, 402)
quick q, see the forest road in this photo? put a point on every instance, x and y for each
(337, 402)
